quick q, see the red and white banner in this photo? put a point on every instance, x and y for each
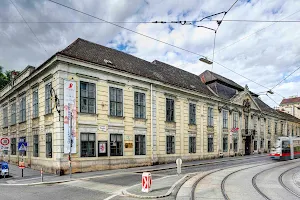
(69, 108)
(234, 130)
(146, 182)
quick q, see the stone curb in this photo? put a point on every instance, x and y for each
(199, 164)
(85, 178)
(180, 181)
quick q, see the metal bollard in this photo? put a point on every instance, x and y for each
(42, 177)
(178, 163)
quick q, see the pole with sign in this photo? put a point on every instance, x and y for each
(70, 152)
(22, 146)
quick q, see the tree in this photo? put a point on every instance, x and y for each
(5, 78)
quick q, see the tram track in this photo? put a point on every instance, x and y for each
(226, 177)
(284, 186)
(254, 184)
(196, 183)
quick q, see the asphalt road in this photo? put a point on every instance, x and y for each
(104, 187)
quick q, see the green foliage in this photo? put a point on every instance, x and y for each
(5, 78)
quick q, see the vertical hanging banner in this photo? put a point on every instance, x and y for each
(70, 110)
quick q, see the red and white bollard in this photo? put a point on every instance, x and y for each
(146, 182)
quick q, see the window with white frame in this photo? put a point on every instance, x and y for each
(210, 144)
(169, 110)
(139, 105)
(87, 97)
(140, 145)
(35, 104)
(192, 113)
(35, 145)
(170, 144)
(225, 118)
(13, 117)
(116, 145)
(48, 102)
(22, 117)
(225, 143)
(235, 120)
(192, 144)
(5, 117)
(210, 117)
(49, 145)
(88, 142)
(116, 101)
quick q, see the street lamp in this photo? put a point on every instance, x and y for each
(205, 60)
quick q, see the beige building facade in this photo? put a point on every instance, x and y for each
(131, 112)
(291, 106)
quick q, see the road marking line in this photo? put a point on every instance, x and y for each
(110, 197)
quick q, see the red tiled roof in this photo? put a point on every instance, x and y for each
(290, 100)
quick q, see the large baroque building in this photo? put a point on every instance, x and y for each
(130, 112)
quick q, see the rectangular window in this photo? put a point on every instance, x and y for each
(192, 113)
(255, 145)
(269, 126)
(169, 110)
(36, 146)
(13, 117)
(139, 105)
(235, 120)
(246, 122)
(5, 117)
(210, 144)
(48, 102)
(269, 145)
(140, 145)
(13, 146)
(116, 144)
(49, 145)
(88, 144)
(192, 144)
(210, 119)
(170, 144)
(87, 97)
(35, 104)
(261, 143)
(282, 127)
(225, 144)
(235, 144)
(116, 101)
(22, 116)
(275, 128)
(225, 119)
(22, 139)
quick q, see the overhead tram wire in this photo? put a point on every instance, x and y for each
(153, 39)
(251, 34)
(286, 77)
(28, 26)
(149, 22)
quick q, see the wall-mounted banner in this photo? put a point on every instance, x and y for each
(70, 110)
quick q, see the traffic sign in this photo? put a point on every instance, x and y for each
(4, 143)
(22, 146)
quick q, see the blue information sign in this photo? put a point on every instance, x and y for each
(22, 146)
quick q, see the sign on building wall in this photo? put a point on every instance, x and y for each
(70, 111)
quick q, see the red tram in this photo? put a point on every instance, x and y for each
(286, 148)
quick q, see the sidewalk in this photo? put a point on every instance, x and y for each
(33, 176)
(160, 188)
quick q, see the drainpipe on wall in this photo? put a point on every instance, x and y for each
(151, 126)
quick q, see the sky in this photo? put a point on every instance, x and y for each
(263, 52)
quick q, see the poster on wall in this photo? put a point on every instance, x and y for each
(70, 112)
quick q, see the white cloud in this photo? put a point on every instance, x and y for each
(265, 57)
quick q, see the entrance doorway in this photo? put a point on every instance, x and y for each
(248, 145)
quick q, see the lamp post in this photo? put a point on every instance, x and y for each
(70, 134)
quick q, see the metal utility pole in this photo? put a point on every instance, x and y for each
(70, 133)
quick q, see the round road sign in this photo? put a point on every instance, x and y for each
(4, 141)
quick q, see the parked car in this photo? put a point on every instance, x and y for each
(4, 169)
